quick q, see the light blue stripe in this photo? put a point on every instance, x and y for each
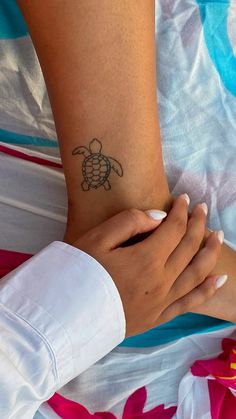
(12, 24)
(10, 137)
(181, 326)
(214, 15)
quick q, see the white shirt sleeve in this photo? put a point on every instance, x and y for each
(60, 312)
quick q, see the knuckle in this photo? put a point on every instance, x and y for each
(198, 271)
(211, 258)
(95, 237)
(161, 290)
(95, 234)
(211, 261)
(198, 224)
(193, 242)
(158, 289)
(181, 224)
(214, 251)
(200, 217)
(208, 290)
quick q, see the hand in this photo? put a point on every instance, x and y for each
(164, 275)
(222, 304)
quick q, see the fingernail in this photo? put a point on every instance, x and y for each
(221, 280)
(220, 235)
(156, 215)
(186, 197)
(204, 207)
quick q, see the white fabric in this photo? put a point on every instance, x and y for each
(24, 105)
(60, 312)
(33, 210)
(107, 385)
(193, 400)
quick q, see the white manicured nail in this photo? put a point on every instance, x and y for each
(186, 197)
(220, 235)
(156, 215)
(221, 280)
(204, 207)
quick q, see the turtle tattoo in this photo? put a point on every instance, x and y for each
(96, 167)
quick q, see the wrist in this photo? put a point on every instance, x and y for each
(80, 219)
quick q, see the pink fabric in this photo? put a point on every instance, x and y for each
(223, 402)
(9, 260)
(24, 156)
(133, 409)
(221, 375)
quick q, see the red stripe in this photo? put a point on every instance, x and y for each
(24, 156)
(9, 260)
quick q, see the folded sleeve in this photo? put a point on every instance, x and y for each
(60, 312)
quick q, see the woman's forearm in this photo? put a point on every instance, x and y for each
(99, 63)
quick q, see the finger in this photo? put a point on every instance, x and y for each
(194, 298)
(190, 243)
(200, 267)
(121, 227)
(170, 233)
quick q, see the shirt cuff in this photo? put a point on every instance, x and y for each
(71, 301)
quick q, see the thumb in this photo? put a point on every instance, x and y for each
(121, 227)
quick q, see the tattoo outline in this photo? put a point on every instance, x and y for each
(96, 167)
